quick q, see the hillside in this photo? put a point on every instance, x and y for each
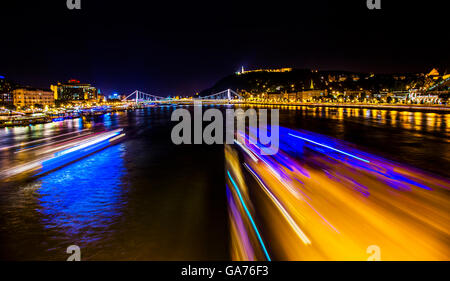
(297, 80)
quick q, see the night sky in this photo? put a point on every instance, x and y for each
(182, 47)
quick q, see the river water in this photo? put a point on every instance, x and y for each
(148, 199)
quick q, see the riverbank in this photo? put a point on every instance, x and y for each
(408, 107)
(27, 118)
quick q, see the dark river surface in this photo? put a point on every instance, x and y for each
(148, 199)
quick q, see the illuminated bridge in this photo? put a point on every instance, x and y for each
(141, 97)
(225, 96)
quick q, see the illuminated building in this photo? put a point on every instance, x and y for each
(357, 93)
(311, 93)
(73, 90)
(356, 77)
(342, 78)
(33, 97)
(433, 74)
(302, 96)
(286, 69)
(6, 91)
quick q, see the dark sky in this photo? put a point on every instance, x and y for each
(181, 47)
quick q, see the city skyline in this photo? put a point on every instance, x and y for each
(166, 52)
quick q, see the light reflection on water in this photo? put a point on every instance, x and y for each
(84, 199)
(410, 120)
